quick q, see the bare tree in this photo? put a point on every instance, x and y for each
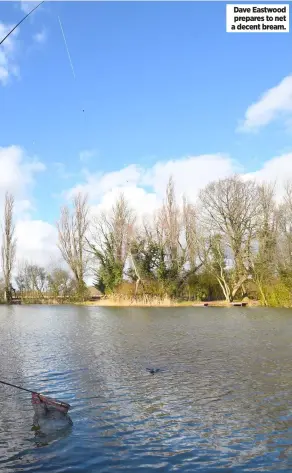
(170, 223)
(230, 209)
(60, 283)
(8, 245)
(31, 279)
(168, 250)
(111, 234)
(263, 254)
(169, 230)
(196, 245)
(72, 231)
(38, 279)
(217, 263)
(284, 250)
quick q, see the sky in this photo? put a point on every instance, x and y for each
(157, 89)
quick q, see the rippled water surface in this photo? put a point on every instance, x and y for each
(221, 402)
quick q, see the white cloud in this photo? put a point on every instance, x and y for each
(18, 173)
(40, 37)
(190, 174)
(274, 103)
(9, 49)
(26, 7)
(145, 188)
(37, 242)
(87, 154)
(144, 202)
(277, 170)
(98, 184)
(8, 67)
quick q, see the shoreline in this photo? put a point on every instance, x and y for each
(154, 303)
(169, 304)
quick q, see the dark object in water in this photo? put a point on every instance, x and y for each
(239, 304)
(153, 370)
(46, 402)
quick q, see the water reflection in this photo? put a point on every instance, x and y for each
(222, 400)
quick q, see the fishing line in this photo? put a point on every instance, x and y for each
(11, 31)
(66, 45)
(69, 55)
(19, 23)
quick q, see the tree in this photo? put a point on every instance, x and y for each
(8, 245)
(145, 259)
(217, 264)
(110, 242)
(38, 278)
(2, 289)
(167, 254)
(31, 278)
(284, 247)
(263, 256)
(168, 237)
(60, 283)
(196, 245)
(230, 210)
(72, 232)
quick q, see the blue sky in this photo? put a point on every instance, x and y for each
(157, 82)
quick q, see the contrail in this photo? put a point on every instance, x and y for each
(11, 31)
(67, 48)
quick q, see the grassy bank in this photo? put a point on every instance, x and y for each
(120, 300)
(156, 302)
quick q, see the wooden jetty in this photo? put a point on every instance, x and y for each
(16, 301)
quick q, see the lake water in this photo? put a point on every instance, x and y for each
(221, 403)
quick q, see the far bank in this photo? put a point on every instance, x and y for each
(164, 303)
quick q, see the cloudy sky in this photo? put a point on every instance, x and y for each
(157, 89)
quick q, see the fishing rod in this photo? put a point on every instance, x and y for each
(11, 31)
(64, 406)
(18, 387)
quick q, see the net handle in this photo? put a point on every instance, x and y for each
(34, 392)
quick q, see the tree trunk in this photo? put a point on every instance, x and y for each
(225, 288)
(237, 286)
(139, 280)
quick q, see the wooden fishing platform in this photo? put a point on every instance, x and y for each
(232, 304)
(16, 301)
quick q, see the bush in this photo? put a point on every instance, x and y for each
(278, 295)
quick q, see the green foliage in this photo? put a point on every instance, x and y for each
(81, 291)
(109, 273)
(60, 283)
(147, 256)
(162, 275)
(279, 295)
(108, 277)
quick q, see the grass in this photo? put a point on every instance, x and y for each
(126, 301)
(148, 301)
